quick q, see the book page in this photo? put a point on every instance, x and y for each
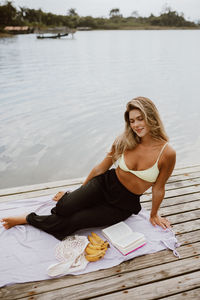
(115, 232)
(131, 248)
(130, 240)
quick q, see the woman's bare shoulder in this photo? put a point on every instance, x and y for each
(166, 164)
(170, 152)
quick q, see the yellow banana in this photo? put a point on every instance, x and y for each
(93, 241)
(92, 251)
(106, 245)
(95, 257)
(95, 247)
(99, 247)
(97, 238)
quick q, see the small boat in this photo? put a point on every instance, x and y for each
(57, 36)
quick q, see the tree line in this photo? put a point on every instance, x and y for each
(11, 16)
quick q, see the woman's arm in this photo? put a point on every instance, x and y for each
(158, 189)
(102, 167)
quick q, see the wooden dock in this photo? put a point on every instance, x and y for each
(155, 276)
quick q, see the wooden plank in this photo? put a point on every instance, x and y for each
(188, 238)
(185, 176)
(185, 169)
(189, 186)
(186, 227)
(35, 194)
(182, 183)
(184, 216)
(175, 209)
(158, 289)
(147, 197)
(189, 295)
(38, 190)
(41, 186)
(138, 263)
(129, 280)
(177, 184)
(181, 199)
(191, 178)
(172, 201)
(175, 192)
(77, 181)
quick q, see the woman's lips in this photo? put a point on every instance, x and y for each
(139, 130)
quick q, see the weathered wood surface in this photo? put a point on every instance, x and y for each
(179, 177)
(155, 276)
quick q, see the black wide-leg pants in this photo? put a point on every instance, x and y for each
(103, 201)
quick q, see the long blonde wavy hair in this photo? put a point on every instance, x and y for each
(129, 139)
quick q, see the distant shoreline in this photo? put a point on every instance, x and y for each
(37, 19)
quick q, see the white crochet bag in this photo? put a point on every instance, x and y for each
(70, 254)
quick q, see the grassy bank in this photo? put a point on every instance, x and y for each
(3, 35)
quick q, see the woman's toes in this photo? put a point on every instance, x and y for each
(58, 196)
(5, 224)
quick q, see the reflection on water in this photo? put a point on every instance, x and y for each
(62, 101)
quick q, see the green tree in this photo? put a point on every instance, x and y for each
(170, 18)
(72, 12)
(115, 12)
(8, 14)
(88, 22)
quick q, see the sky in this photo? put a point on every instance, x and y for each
(101, 8)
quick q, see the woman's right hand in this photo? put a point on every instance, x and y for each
(157, 220)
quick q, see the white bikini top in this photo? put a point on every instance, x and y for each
(149, 174)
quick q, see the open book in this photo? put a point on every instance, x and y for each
(123, 238)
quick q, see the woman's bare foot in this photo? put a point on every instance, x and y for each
(9, 222)
(58, 196)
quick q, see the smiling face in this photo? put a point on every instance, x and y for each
(137, 123)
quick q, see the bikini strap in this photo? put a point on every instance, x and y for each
(162, 151)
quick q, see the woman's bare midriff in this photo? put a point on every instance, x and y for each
(133, 183)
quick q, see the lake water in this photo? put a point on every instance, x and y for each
(62, 101)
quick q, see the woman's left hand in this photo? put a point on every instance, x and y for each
(157, 220)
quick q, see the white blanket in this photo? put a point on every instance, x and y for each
(26, 252)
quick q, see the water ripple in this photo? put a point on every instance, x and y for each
(62, 101)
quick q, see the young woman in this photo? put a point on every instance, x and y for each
(144, 159)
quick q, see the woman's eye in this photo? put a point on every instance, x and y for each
(139, 119)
